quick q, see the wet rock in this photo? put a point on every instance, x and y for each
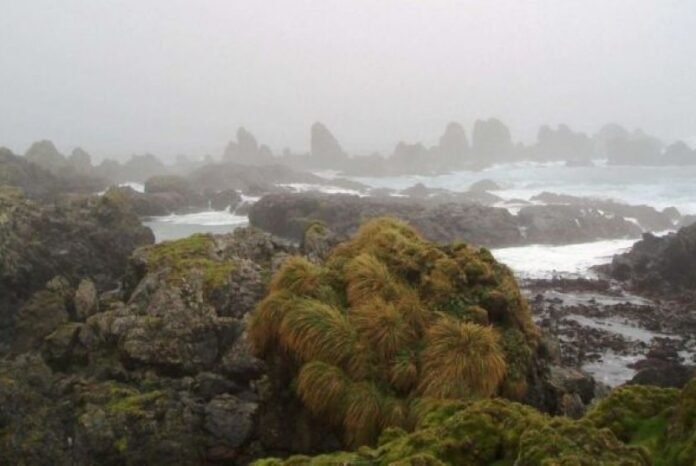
(229, 420)
(564, 224)
(289, 215)
(86, 299)
(227, 199)
(484, 185)
(573, 381)
(661, 265)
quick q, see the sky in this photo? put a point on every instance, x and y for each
(180, 76)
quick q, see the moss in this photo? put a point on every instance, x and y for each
(121, 445)
(504, 433)
(131, 402)
(189, 257)
(628, 408)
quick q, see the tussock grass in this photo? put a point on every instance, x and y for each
(388, 320)
(316, 331)
(461, 360)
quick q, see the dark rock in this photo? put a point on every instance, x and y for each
(229, 420)
(246, 150)
(491, 141)
(227, 199)
(453, 147)
(647, 217)
(659, 264)
(563, 144)
(484, 185)
(45, 155)
(325, 149)
(86, 299)
(289, 215)
(86, 237)
(564, 224)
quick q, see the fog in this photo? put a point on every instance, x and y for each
(175, 76)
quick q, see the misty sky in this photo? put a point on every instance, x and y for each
(179, 76)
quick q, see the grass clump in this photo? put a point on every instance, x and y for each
(389, 320)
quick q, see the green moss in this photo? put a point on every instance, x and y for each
(628, 408)
(121, 445)
(131, 402)
(187, 257)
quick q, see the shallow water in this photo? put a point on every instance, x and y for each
(174, 226)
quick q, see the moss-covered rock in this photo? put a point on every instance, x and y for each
(488, 432)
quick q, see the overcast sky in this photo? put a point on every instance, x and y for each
(179, 76)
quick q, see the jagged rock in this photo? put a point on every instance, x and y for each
(563, 144)
(227, 199)
(80, 161)
(408, 158)
(209, 384)
(647, 217)
(86, 299)
(564, 224)
(246, 150)
(230, 421)
(325, 149)
(86, 237)
(45, 155)
(38, 317)
(660, 265)
(453, 147)
(491, 141)
(239, 361)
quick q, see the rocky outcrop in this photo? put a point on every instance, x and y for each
(158, 372)
(45, 155)
(246, 150)
(563, 144)
(646, 217)
(258, 180)
(661, 265)
(491, 141)
(325, 150)
(90, 237)
(453, 147)
(485, 185)
(35, 181)
(288, 215)
(137, 168)
(565, 224)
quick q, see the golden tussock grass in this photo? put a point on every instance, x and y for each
(461, 360)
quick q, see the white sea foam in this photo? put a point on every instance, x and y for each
(140, 187)
(207, 218)
(574, 260)
(328, 189)
(659, 187)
